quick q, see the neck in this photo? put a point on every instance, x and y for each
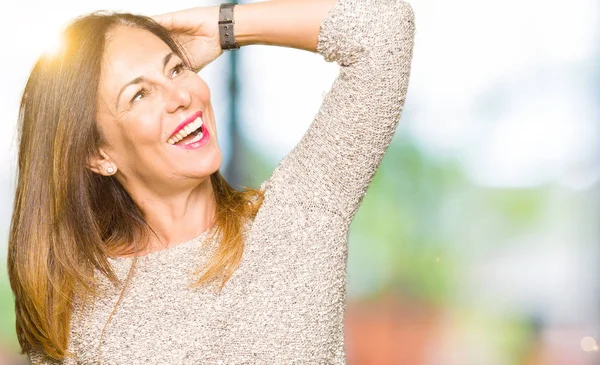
(178, 217)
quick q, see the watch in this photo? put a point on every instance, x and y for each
(226, 34)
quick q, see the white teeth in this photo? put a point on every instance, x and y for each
(186, 131)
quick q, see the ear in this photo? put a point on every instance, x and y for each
(101, 163)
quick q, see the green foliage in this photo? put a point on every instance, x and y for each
(422, 218)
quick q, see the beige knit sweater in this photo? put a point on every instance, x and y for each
(285, 303)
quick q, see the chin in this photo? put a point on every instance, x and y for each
(198, 166)
(211, 164)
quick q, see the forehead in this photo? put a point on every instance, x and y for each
(129, 52)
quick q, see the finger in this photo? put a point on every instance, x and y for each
(166, 20)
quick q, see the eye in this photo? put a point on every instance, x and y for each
(140, 94)
(178, 69)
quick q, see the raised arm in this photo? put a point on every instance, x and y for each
(335, 161)
(284, 23)
(372, 41)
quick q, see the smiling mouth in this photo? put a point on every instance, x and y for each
(191, 133)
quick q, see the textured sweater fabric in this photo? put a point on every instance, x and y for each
(285, 303)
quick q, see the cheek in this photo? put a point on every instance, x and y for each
(137, 130)
(144, 129)
(143, 122)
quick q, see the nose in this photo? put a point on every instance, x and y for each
(177, 97)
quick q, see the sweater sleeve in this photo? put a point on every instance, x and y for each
(335, 161)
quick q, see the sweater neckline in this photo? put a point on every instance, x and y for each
(182, 247)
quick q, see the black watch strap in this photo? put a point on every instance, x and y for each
(226, 22)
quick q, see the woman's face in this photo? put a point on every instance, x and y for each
(145, 94)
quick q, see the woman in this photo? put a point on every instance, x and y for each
(128, 247)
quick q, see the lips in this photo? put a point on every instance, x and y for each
(185, 122)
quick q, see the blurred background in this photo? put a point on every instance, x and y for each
(476, 243)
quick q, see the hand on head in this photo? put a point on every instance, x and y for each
(197, 30)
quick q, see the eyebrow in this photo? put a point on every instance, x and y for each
(141, 79)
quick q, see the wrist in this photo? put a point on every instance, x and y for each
(245, 33)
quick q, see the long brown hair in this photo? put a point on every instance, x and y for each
(68, 220)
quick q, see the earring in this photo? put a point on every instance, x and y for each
(110, 170)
